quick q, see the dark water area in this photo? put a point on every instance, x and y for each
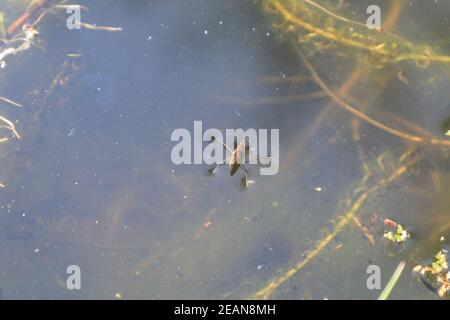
(91, 183)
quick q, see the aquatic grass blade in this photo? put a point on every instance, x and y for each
(392, 282)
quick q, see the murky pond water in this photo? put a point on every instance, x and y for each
(92, 183)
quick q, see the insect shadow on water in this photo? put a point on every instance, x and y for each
(239, 156)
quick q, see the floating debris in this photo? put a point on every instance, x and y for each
(207, 224)
(399, 235)
(436, 276)
(26, 39)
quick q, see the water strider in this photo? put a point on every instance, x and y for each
(239, 156)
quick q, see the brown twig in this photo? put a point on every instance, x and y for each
(19, 22)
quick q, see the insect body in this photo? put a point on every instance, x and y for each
(237, 159)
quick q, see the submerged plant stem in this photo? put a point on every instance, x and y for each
(268, 290)
(408, 52)
(363, 116)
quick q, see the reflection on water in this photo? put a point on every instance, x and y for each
(92, 183)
